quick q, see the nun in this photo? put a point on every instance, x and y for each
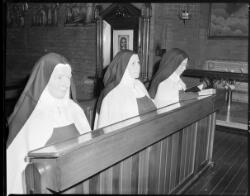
(45, 113)
(167, 87)
(124, 95)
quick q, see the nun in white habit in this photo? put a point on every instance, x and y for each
(44, 114)
(124, 95)
(167, 87)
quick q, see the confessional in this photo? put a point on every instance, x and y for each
(123, 20)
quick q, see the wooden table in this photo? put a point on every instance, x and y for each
(235, 113)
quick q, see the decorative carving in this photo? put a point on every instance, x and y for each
(122, 12)
(46, 15)
(77, 14)
(147, 11)
(227, 66)
(98, 9)
(90, 11)
(119, 11)
(125, 16)
(16, 14)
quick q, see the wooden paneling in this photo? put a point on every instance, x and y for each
(154, 165)
(86, 187)
(162, 166)
(174, 156)
(183, 154)
(157, 169)
(188, 152)
(126, 176)
(94, 184)
(106, 181)
(135, 174)
(143, 171)
(116, 179)
(160, 158)
(168, 164)
(228, 174)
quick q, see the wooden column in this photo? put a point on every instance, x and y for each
(99, 48)
(145, 41)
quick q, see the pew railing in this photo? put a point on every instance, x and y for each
(161, 154)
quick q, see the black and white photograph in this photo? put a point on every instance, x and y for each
(139, 98)
(122, 40)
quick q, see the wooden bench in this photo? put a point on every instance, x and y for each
(161, 154)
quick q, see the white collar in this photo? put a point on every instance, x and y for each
(132, 84)
(175, 77)
(47, 100)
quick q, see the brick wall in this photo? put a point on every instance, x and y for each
(24, 46)
(78, 44)
(168, 31)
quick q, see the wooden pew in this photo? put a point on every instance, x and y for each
(161, 154)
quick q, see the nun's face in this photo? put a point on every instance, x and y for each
(59, 82)
(181, 67)
(134, 66)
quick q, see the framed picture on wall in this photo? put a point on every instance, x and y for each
(228, 20)
(122, 39)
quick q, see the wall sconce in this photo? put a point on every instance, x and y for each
(184, 14)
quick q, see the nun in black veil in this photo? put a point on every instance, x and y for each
(124, 95)
(167, 87)
(46, 113)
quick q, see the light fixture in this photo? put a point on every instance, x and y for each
(184, 14)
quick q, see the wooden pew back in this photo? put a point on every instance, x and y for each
(160, 154)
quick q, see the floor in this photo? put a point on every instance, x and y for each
(229, 175)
